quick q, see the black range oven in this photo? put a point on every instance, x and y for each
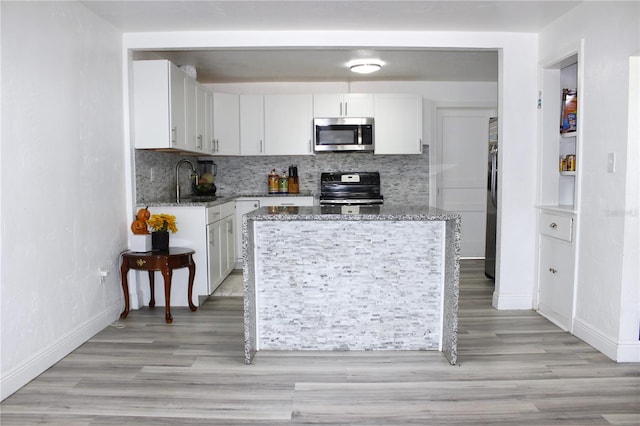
(352, 188)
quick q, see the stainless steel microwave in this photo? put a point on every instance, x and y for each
(343, 134)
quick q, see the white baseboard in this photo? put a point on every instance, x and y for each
(512, 301)
(31, 368)
(625, 351)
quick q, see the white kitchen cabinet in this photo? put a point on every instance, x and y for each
(159, 105)
(288, 124)
(398, 123)
(226, 124)
(190, 107)
(221, 243)
(343, 105)
(208, 142)
(252, 125)
(556, 264)
(245, 205)
(203, 120)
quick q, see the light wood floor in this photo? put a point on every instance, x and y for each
(514, 368)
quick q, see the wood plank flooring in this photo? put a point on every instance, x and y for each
(515, 368)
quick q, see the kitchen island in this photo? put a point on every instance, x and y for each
(351, 278)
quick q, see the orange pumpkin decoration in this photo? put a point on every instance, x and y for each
(143, 214)
(139, 226)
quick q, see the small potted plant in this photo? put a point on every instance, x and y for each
(160, 225)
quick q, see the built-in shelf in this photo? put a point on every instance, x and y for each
(568, 135)
(568, 173)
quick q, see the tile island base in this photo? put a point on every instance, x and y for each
(381, 279)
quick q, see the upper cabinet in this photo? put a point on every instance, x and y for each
(343, 105)
(171, 110)
(560, 119)
(226, 124)
(288, 124)
(398, 123)
(252, 125)
(159, 105)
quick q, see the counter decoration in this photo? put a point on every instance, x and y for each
(161, 224)
(140, 241)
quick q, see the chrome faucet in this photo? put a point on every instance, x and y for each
(194, 174)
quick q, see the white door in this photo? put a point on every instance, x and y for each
(461, 166)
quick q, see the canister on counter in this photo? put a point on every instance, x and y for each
(571, 163)
(273, 182)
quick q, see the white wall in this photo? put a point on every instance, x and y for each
(63, 202)
(607, 208)
(517, 96)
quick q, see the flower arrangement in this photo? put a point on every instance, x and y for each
(162, 223)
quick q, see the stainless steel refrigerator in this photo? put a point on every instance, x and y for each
(492, 201)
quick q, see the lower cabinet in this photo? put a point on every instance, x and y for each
(220, 243)
(556, 264)
(210, 231)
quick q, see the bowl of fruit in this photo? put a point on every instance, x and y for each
(205, 185)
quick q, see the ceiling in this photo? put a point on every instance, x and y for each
(320, 64)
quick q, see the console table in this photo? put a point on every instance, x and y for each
(163, 261)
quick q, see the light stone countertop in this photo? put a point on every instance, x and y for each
(356, 213)
(210, 201)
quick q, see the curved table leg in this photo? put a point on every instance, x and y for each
(166, 273)
(152, 285)
(192, 274)
(124, 268)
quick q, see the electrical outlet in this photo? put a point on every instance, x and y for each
(103, 273)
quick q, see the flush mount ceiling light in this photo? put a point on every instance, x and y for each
(365, 67)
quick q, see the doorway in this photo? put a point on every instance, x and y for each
(462, 150)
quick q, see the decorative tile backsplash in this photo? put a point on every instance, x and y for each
(404, 178)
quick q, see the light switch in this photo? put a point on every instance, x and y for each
(611, 162)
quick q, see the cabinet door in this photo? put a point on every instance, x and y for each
(178, 114)
(343, 105)
(327, 105)
(214, 231)
(209, 145)
(190, 114)
(287, 124)
(358, 105)
(251, 125)
(398, 124)
(556, 284)
(201, 117)
(158, 105)
(226, 123)
(228, 258)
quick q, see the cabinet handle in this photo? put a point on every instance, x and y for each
(261, 146)
(217, 145)
(199, 142)
(230, 227)
(340, 108)
(553, 271)
(346, 112)
(174, 135)
(553, 225)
